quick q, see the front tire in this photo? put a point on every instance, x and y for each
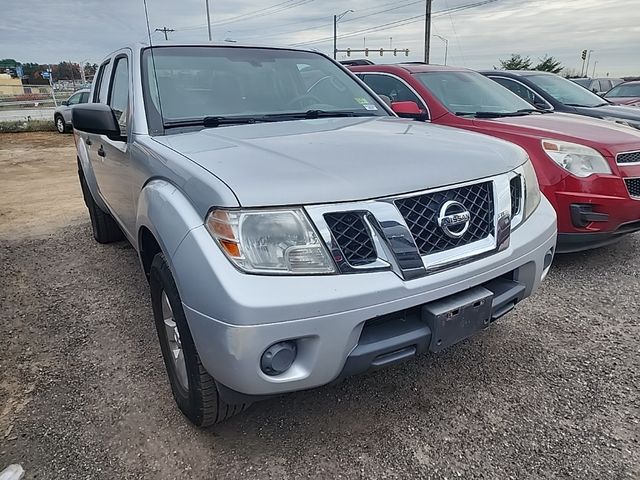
(194, 390)
(61, 126)
(104, 227)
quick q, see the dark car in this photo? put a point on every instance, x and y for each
(625, 94)
(552, 92)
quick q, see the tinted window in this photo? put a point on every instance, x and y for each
(197, 82)
(583, 82)
(392, 87)
(84, 97)
(625, 90)
(470, 92)
(565, 91)
(119, 94)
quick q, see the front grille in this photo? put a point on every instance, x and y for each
(421, 214)
(633, 185)
(352, 236)
(516, 195)
(629, 157)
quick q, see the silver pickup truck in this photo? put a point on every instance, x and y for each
(293, 230)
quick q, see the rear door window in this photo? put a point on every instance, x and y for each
(119, 92)
(102, 84)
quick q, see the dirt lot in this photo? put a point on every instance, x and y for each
(551, 391)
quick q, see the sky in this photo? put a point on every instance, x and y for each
(86, 30)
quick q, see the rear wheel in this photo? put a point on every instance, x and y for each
(61, 126)
(105, 229)
(193, 388)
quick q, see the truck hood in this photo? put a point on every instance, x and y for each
(341, 159)
(589, 131)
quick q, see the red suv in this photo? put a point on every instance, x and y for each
(589, 169)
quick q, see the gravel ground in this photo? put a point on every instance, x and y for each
(550, 391)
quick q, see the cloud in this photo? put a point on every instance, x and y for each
(87, 30)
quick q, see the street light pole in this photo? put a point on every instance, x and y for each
(336, 19)
(208, 19)
(446, 46)
(586, 70)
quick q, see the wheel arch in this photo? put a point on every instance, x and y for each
(165, 216)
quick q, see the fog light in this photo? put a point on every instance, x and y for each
(278, 358)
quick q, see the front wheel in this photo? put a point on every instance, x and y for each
(61, 126)
(193, 388)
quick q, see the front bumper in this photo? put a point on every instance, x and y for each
(234, 317)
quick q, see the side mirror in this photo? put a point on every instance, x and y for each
(96, 118)
(409, 110)
(65, 103)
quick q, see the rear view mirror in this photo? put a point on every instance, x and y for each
(65, 103)
(409, 110)
(96, 118)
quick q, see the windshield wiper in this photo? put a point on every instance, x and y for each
(586, 106)
(517, 113)
(212, 122)
(217, 121)
(313, 114)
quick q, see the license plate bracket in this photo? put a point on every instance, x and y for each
(456, 317)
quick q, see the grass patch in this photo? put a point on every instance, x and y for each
(27, 126)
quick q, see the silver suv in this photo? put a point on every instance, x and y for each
(62, 114)
(292, 229)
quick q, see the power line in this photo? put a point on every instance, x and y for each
(397, 23)
(273, 9)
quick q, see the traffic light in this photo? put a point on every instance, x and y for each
(584, 54)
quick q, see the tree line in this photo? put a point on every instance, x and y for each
(519, 62)
(32, 72)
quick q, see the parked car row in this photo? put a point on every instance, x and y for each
(589, 169)
(295, 231)
(599, 86)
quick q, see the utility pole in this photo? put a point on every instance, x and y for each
(165, 30)
(595, 64)
(584, 58)
(208, 19)
(336, 19)
(427, 30)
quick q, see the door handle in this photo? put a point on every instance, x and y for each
(101, 152)
(88, 141)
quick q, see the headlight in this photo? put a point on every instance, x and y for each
(270, 241)
(623, 121)
(579, 160)
(532, 193)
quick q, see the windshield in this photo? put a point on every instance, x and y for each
(565, 91)
(470, 92)
(624, 90)
(193, 83)
(583, 82)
